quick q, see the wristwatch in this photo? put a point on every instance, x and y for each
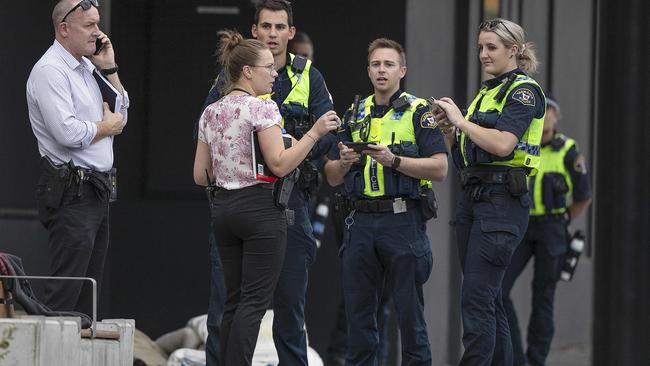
(396, 161)
(112, 70)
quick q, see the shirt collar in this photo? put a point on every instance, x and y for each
(391, 100)
(494, 82)
(70, 60)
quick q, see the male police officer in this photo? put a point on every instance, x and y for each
(301, 94)
(75, 130)
(385, 240)
(560, 193)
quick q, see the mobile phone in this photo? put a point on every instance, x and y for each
(99, 46)
(358, 147)
(433, 107)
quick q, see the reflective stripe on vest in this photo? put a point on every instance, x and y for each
(526, 153)
(299, 86)
(381, 132)
(552, 161)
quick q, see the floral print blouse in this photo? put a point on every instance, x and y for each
(226, 127)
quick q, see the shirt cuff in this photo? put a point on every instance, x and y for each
(124, 98)
(91, 132)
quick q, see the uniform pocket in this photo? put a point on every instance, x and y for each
(501, 239)
(421, 249)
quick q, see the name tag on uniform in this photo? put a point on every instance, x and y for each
(399, 206)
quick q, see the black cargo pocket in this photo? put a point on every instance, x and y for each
(500, 242)
(423, 260)
(50, 191)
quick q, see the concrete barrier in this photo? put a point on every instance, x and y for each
(57, 341)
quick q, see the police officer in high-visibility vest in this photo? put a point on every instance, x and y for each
(560, 192)
(301, 95)
(494, 146)
(385, 242)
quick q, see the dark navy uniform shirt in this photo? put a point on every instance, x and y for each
(429, 140)
(320, 101)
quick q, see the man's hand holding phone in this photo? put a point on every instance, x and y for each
(104, 56)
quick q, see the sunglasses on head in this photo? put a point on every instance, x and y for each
(84, 5)
(494, 23)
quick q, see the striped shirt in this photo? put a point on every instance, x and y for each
(65, 104)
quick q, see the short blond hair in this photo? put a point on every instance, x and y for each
(387, 43)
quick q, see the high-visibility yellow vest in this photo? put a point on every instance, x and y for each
(299, 86)
(552, 161)
(399, 123)
(526, 153)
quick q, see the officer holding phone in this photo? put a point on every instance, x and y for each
(385, 242)
(75, 129)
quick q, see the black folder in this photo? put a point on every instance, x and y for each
(109, 93)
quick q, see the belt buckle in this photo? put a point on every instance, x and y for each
(399, 205)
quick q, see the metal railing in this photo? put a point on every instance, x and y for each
(93, 327)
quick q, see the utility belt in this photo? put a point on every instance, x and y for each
(560, 218)
(57, 178)
(396, 205)
(513, 178)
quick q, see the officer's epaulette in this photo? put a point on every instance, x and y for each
(558, 141)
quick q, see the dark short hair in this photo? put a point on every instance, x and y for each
(274, 5)
(387, 43)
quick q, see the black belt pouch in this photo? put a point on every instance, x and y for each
(52, 183)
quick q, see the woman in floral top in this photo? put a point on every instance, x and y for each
(249, 228)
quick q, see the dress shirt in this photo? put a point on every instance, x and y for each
(65, 104)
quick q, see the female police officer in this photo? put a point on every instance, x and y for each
(495, 146)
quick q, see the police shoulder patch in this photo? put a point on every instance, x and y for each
(428, 121)
(524, 96)
(580, 165)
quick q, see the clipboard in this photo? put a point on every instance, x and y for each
(261, 171)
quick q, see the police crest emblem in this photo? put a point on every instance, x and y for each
(428, 120)
(524, 96)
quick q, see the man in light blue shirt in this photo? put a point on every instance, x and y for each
(74, 128)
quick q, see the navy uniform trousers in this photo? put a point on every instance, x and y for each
(289, 333)
(392, 250)
(547, 241)
(289, 296)
(490, 224)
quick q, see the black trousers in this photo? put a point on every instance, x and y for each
(251, 233)
(78, 244)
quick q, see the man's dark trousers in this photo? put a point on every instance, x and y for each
(386, 249)
(547, 241)
(78, 244)
(289, 297)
